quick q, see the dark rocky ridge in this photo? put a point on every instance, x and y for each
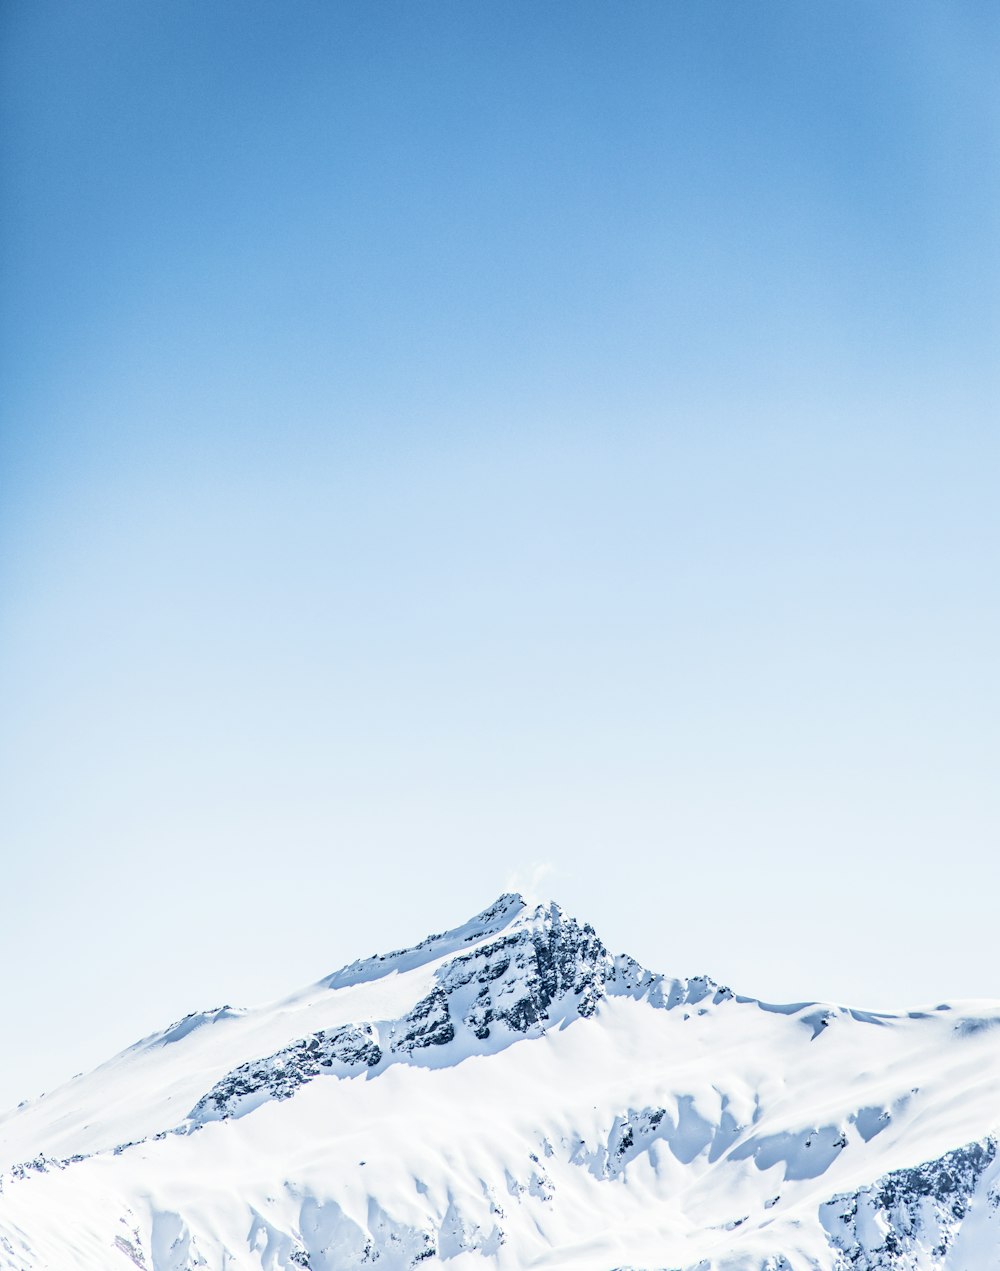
(511, 984)
(910, 1219)
(529, 967)
(278, 1076)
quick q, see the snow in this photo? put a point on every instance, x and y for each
(509, 1095)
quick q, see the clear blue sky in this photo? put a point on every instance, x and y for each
(442, 444)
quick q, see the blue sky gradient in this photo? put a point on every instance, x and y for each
(448, 444)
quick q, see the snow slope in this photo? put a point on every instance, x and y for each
(510, 1095)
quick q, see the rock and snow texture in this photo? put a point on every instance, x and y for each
(511, 1095)
(912, 1218)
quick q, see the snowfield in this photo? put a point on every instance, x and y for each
(510, 1095)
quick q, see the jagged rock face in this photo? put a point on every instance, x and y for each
(512, 982)
(508, 1094)
(517, 978)
(428, 1024)
(278, 1076)
(910, 1219)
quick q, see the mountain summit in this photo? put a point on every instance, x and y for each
(510, 1094)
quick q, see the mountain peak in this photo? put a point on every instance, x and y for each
(505, 910)
(310, 1133)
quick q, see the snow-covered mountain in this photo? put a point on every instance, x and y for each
(511, 1095)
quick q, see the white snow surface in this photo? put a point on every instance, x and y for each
(509, 1095)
